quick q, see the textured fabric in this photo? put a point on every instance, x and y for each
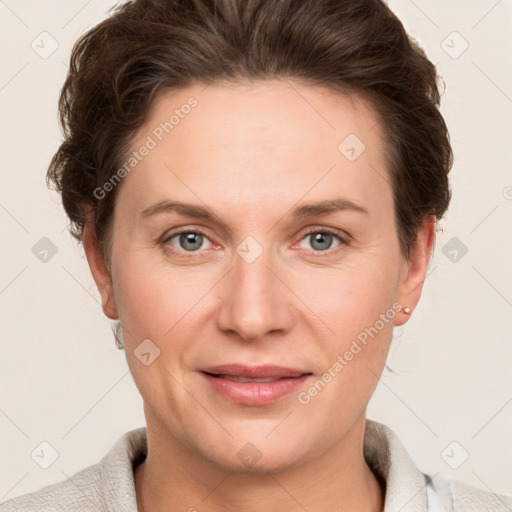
(108, 486)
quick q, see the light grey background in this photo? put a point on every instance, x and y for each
(62, 380)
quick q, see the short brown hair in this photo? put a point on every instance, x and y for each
(146, 47)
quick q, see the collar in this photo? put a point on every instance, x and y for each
(407, 488)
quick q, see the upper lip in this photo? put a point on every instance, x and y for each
(255, 372)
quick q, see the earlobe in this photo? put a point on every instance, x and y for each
(99, 270)
(411, 285)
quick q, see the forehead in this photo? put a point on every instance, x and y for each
(246, 142)
(268, 112)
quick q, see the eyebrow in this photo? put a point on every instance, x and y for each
(303, 211)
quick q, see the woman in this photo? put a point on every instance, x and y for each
(256, 184)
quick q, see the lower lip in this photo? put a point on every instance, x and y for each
(255, 393)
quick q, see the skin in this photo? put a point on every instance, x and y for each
(251, 153)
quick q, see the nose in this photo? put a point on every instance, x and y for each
(255, 300)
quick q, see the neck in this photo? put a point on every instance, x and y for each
(173, 478)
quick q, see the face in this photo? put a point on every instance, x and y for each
(282, 262)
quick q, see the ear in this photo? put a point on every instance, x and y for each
(99, 269)
(415, 270)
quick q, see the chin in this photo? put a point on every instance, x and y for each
(256, 453)
(254, 463)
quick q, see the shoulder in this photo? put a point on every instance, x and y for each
(106, 485)
(409, 488)
(465, 498)
(78, 493)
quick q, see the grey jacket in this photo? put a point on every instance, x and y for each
(108, 485)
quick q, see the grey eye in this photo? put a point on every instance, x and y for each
(188, 241)
(191, 241)
(321, 241)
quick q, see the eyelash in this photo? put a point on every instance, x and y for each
(344, 241)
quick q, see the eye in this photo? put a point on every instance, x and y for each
(321, 239)
(190, 240)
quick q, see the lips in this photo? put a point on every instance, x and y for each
(254, 372)
(254, 385)
(240, 378)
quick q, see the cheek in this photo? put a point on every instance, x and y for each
(351, 297)
(353, 306)
(158, 302)
(360, 316)
(152, 306)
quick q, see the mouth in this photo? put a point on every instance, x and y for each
(254, 385)
(241, 378)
